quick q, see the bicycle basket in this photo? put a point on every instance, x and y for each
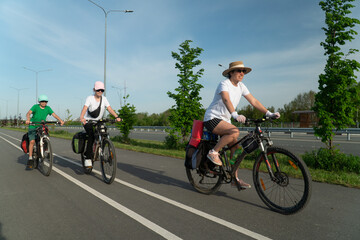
(250, 143)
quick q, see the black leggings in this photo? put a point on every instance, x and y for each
(89, 128)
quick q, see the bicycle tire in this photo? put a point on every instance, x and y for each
(291, 191)
(204, 180)
(45, 161)
(108, 161)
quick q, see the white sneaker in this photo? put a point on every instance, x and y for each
(88, 163)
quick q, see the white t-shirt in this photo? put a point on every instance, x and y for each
(92, 105)
(217, 108)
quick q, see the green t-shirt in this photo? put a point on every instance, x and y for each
(39, 114)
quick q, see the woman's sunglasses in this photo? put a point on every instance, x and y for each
(241, 71)
(100, 90)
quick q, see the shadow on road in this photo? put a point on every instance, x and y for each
(1, 235)
(152, 175)
(158, 177)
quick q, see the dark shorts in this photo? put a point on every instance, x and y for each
(211, 124)
(32, 134)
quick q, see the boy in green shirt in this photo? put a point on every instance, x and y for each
(39, 113)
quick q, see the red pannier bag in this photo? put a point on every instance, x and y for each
(25, 143)
(196, 133)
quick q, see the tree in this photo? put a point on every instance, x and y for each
(128, 116)
(68, 116)
(250, 112)
(303, 101)
(334, 103)
(187, 96)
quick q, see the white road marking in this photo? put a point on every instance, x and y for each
(165, 199)
(147, 223)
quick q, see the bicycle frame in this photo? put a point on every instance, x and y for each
(260, 138)
(99, 134)
(41, 132)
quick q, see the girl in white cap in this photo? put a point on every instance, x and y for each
(222, 108)
(94, 109)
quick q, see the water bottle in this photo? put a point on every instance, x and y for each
(236, 154)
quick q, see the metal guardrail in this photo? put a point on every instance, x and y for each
(290, 130)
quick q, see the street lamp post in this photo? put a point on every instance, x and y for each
(17, 111)
(37, 72)
(106, 13)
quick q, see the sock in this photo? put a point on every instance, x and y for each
(213, 151)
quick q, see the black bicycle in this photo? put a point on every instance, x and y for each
(42, 151)
(103, 150)
(281, 179)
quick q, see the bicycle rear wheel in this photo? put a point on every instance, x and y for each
(290, 190)
(46, 159)
(108, 161)
(204, 179)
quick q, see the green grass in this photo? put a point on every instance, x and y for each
(158, 148)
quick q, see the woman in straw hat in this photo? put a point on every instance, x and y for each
(222, 108)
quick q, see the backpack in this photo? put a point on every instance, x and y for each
(78, 142)
(197, 157)
(25, 143)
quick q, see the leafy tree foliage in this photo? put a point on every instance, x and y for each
(250, 112)
(303, 101)
(187, 95)
(68, 117)
(144, 119)
(128, 116)
(335, 101)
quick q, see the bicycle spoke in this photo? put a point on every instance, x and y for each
(289, 190)
(46, 160)
(108, 161)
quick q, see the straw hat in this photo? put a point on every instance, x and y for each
(234, 66)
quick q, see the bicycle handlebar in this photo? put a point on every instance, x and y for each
(259, 120)
(101, 120)
(43, 122)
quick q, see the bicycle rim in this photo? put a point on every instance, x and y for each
(108, 161)
(204, 180)
(290, 191)
(46, 161)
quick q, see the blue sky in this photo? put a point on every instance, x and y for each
(278, 39)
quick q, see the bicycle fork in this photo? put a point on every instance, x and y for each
(268, 165)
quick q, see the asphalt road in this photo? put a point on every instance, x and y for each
(151, 199)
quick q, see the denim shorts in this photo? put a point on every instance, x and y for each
(32, 134)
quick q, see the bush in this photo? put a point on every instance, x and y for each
(173, 142)
(332, 160)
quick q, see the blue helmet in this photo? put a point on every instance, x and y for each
(43, 98)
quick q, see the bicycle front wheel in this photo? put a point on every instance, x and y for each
(46, 158)
(290, 189)
(108, 161)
